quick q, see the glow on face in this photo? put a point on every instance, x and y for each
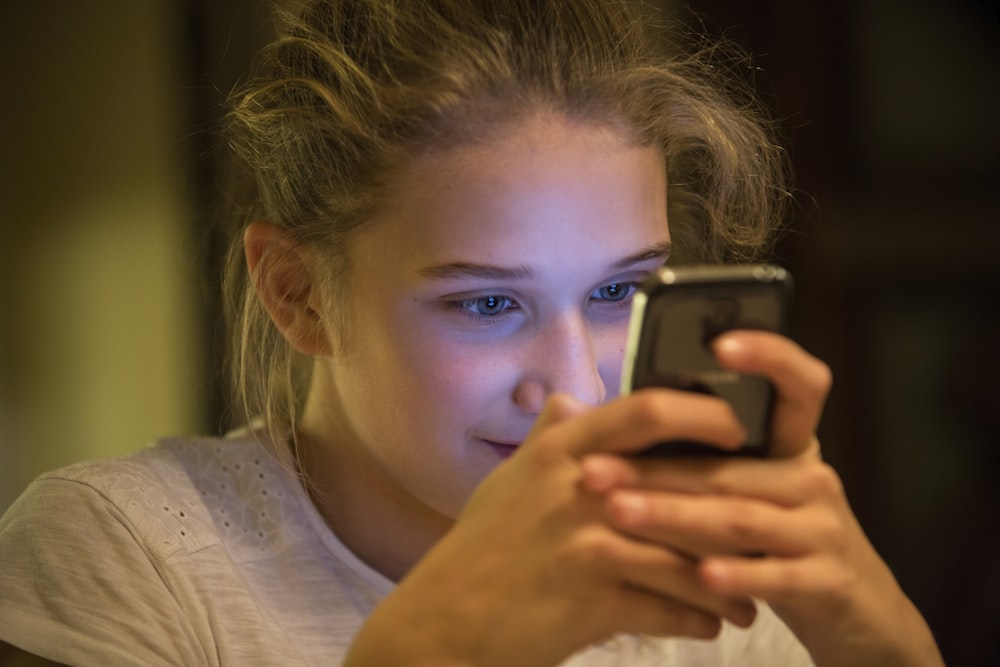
(498, 274)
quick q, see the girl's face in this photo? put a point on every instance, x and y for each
(496, 275)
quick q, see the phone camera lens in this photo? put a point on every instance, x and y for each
(725, 312)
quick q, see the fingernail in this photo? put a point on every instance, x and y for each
(728, 344)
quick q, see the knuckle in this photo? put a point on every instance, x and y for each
(830, 530)
(591, 549)
(647, 408)
(820, 378)
(822, 480)
(740, 519)
(722, 482)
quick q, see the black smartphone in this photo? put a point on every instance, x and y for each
(676, 314)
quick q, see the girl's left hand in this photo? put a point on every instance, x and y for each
(778, 529)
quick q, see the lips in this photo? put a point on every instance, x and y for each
(503, 450)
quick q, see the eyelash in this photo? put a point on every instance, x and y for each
(630, 289)
(468, 307)
(465, 306)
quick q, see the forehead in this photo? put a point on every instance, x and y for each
(546, 188)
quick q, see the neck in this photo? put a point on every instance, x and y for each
(371, 514)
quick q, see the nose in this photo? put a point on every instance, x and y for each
(563, 357)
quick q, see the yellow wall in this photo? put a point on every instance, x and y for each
(99, 342)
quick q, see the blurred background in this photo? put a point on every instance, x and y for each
(110, 319)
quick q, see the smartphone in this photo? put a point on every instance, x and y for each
(676, 314)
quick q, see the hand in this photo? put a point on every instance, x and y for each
(780, 530)
(532, 571)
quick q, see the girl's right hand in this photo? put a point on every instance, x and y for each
(531, 571)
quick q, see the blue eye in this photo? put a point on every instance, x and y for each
(614, 292)
(486, 306)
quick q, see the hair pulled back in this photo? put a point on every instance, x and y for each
(352, 90)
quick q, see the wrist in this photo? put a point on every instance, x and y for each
(396, 633)
(898, 639)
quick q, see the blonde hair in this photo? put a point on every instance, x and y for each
(352, 90)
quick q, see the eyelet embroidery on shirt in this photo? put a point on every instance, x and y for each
(244, 494)
(203, 491)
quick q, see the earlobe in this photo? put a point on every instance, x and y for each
(281, 276)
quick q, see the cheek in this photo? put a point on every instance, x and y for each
(437, 380)
(415, 409)
(463, 376)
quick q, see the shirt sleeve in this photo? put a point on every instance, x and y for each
(78, 586)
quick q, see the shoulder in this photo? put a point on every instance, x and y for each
(177, 495)
(84, 555)
(149, 545)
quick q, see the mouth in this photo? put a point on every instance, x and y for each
(503, 450)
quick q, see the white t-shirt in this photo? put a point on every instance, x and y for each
(207, 552)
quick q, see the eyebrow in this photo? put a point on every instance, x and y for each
(472, 270)
(453, 270)
(658, 251)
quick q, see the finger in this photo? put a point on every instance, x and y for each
(602, 473)
(638, 611)
(801, 383)
(785, 482)
(669, 574)
(634, 422)
(779, 581)
(703, 525)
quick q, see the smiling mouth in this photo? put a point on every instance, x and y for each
(502, 450)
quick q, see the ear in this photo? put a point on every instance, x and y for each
(285, 284)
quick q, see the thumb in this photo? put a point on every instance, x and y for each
(801, 384)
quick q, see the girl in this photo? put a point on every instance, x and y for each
(455, 200)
